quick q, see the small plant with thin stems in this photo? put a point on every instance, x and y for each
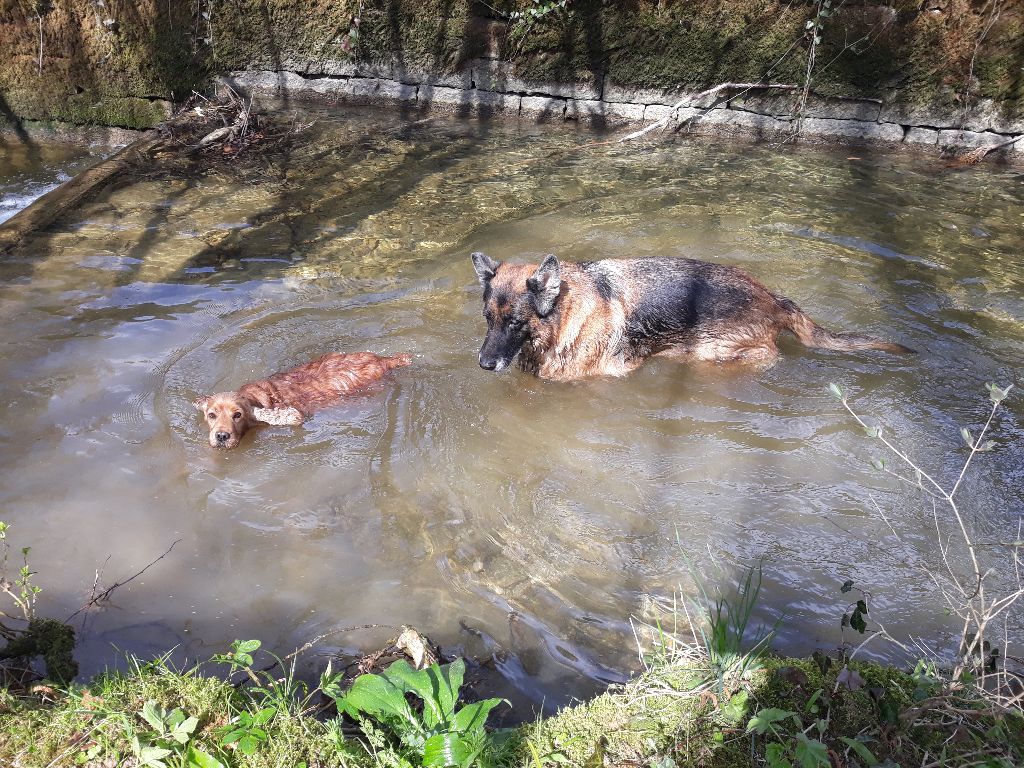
(722, 644)
(968, 580)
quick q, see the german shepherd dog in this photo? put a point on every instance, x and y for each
(288, 397)
(567, 321)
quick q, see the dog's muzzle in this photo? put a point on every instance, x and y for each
(492, 363)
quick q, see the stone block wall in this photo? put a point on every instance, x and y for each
(920, 71)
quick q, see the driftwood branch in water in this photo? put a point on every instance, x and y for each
(223, 127)
(98, 598)
(689, 100)
(46, 209)
(979, 154)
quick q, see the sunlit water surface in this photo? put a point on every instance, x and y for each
(518, 519)
(30, 170)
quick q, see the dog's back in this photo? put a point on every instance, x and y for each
(322, 381)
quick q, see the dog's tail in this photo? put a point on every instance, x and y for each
(397, 361)
(811, 334)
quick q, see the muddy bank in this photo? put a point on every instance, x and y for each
(934, 73)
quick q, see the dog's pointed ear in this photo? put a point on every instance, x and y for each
(545, 284)
(200, 403)
(278, 416)
(485, 266)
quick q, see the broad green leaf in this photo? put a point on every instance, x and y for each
(437, 686)
(423, 683)
(857, 622)
(248, 646)
(447, 749)
(232, 736)
(836, 391)
(862, 751)
(847, 586)
(174, 718)
(776, 757)
(264, 716)
(811, 753)
(473, 716)
(965, 433)
(763, 721)
(153, 755)
(998, 394)
(734, 708)
(154, 715)
(183, 731)
(197, 758)
(378, 697)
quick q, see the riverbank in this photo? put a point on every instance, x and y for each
(942, 74)
(684, 710)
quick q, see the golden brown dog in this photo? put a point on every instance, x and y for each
(566, 321)
(288, 397)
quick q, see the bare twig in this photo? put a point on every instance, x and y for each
(690, 100)
(320, 638)
(105, 594)
(967, 600)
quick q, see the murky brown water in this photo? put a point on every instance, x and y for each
(497, 511)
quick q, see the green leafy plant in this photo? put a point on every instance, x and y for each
(538, 10)
(240, 656)
(246, 731)
(437, 736)
(22, 591)
(167, 742)
(791, 744)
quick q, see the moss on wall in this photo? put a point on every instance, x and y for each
(112, 62)
(117, 62)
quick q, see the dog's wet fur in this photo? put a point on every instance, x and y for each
(567, 321)
(290, 396)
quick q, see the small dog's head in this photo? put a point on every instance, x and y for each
(520, 302)
(229, 415)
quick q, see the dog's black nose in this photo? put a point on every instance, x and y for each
(488, 363)
(222, 437)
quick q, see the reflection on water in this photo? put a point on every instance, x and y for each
(499, 512)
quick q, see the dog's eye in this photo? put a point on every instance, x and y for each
(211, 415)
(236, 415)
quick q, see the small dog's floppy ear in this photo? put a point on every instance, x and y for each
(545, 284)
(200, 403)
(278, 416)
(485, 266)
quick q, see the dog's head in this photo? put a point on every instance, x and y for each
(519, 303)
(229, 415)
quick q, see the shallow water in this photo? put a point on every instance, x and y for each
(514, 517)
(30, 170)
